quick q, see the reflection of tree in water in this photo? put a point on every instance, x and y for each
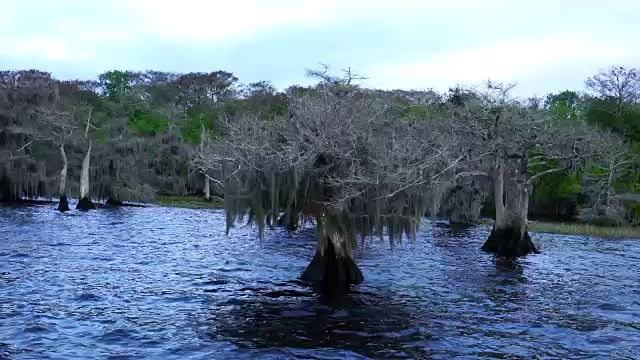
(457, 236)
(504, 286)
(449, 229)
(360, 322)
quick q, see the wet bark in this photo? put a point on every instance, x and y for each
(289, 220)
(114, 202)
(63, 205)
(510, 236)
(6, 196)
(331, 272)
(510, 242)
(85, 202)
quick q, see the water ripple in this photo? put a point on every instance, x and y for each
(167, 283)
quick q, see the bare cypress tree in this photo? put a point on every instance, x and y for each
(207, 184)
(618, 83)
(84, 201)
(508, 140)
(343, 160)
(612, 160)
(61, 127)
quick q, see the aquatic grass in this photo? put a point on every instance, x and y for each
(617, 232)
(192, 202)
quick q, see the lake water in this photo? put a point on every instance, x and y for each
(166, 283)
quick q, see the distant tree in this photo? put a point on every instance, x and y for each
(60, 128)
(618, 83)
(615, 94)
(567, 104)
(263, 99)
(515, 145)
(115, 84)
(204, 97)
(25, 97)
(327, 78)
(607, 173)
(84, 200)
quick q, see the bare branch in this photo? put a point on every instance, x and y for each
(544, 173)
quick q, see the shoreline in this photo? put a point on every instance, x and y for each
(582, 229)
(197, 202)
(188, 202)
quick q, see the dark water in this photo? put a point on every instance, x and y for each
(168, 284)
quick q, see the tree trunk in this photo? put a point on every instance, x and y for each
(207, 189)
(463, 204)
(207, 182)
(510, 236)
(63, 205)
(289, 220)
(333, 269)
(111, 201)
(85, 202)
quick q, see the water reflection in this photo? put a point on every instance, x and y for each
(505, 286)
(363, 323)
(509, 271)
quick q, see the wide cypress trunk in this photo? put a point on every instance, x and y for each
(510, 236)
(63, 205)
(85, 202)
(332, 270)
(510, 241)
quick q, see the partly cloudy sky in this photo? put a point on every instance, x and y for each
(544, 45)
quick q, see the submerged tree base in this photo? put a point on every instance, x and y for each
(85, 204)
(510, 242)
(63, 205)
(330, 273)
(289, 222)
(113, 202)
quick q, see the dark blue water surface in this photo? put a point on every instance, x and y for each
(165, 283)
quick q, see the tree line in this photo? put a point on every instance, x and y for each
(129, 136)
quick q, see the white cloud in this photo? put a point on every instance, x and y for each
(509, 61)
(80, 34)
(61, 36)
(227, 20)
(217, 21)
(43, 47)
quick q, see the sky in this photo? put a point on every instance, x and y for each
(543, 45)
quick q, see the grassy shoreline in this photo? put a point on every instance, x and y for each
(618, 232)
(190, 202)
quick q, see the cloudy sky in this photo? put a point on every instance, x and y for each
(544, 45)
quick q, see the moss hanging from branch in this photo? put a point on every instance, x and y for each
(25, 98)
(334, 162)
